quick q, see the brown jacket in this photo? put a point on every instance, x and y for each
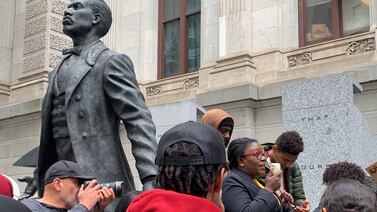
(214, 117)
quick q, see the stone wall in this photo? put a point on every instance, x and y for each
(6, 47)
(134, 32)
(38, 44)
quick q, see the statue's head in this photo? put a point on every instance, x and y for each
(100, 7)
(84, 16)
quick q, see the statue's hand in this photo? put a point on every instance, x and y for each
(149, 185)
(31, 187)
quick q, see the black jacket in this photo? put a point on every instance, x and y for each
(240, 193)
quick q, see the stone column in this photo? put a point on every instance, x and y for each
(235, 41)
(210, 14)
(135, 29)
(6, 42)
(278, 29)
(235, 27)
(373, 14)
(43, 42)
(288, 19)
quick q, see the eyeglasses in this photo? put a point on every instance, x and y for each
(259, 154)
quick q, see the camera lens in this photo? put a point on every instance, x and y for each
(116, 186)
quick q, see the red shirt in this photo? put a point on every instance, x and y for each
(165, 201)
(6, 186)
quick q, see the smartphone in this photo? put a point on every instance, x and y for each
(275, 168)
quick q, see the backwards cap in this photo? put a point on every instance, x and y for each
(208, 139)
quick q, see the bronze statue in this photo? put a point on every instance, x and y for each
(90, 91)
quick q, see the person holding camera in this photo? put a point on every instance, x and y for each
(64, 191)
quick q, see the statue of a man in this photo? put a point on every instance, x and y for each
(90, 91)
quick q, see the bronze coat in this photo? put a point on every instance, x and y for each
(102, 91)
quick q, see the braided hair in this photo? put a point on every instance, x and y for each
(188, 179)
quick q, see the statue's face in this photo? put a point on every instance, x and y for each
(78, 19)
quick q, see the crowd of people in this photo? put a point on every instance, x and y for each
(201, 169)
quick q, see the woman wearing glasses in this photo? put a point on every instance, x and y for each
(241, 191)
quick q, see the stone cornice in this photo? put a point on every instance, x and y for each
(339, 48)
(20, 109)
(171, 89)
(4, 88)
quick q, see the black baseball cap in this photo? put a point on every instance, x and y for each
(209, 140)
(65, 169)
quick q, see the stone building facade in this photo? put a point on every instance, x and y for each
(248, 50)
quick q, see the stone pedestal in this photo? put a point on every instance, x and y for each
(167, 116)
(332, 127)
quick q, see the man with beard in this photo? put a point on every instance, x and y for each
(63, 191)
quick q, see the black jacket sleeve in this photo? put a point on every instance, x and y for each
(128, 102)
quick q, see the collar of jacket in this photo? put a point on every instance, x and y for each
(93, 52)
(242, 174)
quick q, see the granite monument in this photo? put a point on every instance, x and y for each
(332, 127)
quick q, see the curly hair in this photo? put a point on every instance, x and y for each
(188, 179)
(236, 149)
(290, 142)
(343, 170)
(348, 195)
(100, 7)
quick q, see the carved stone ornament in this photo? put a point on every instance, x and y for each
(299, 59)
(153, 90)
(191, 83)
(361, 46)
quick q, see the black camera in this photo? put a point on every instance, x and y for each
(116, 186)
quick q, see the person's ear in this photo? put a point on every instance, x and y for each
(241, 162)
(97, 18)
(58, 184)
(219, 180)
(214, 193)
(275, 148)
